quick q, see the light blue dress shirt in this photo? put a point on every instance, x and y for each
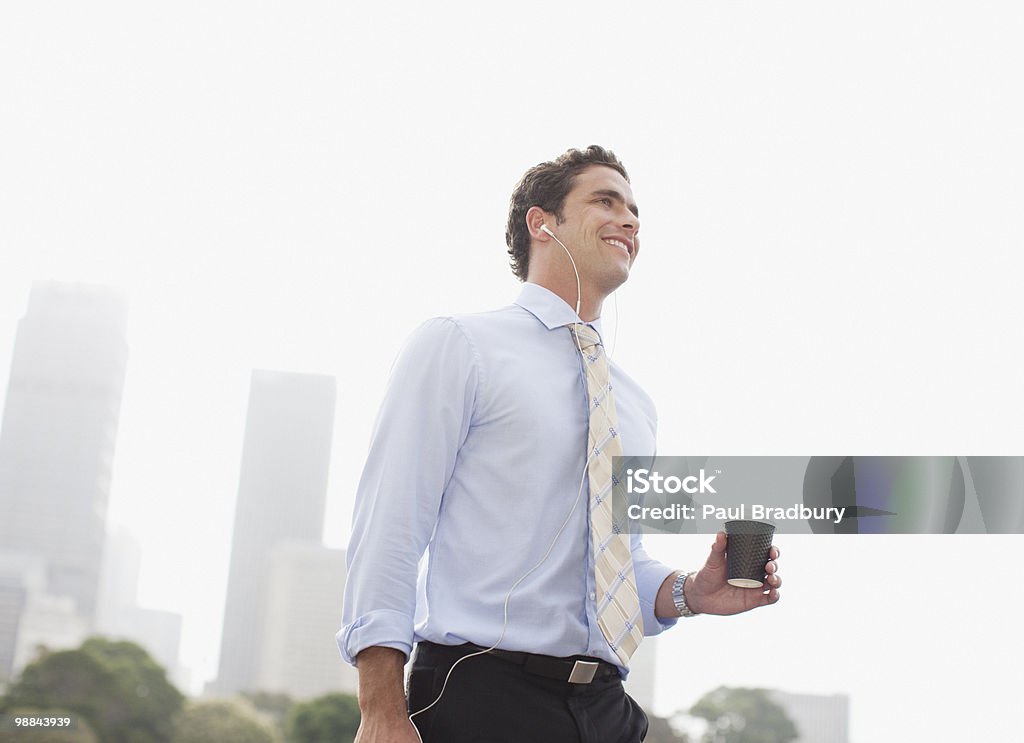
(476, 460)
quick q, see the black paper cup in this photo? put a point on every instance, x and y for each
(747, 552)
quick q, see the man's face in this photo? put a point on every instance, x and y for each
(600, 226)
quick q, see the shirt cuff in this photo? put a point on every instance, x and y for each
(382, 627)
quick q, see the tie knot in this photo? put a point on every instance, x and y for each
(586, 336)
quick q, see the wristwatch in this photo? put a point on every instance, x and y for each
(679, 598)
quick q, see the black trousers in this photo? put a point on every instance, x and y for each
(490, 700)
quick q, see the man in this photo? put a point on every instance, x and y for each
(486, 455)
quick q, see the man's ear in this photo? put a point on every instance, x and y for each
(535, 219)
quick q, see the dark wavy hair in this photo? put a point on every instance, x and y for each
(546, 185)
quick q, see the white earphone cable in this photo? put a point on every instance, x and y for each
(565, 522)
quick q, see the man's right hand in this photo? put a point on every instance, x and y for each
(384, 718)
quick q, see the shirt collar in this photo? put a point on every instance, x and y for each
(550, 308)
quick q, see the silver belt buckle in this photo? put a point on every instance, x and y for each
(583, 672)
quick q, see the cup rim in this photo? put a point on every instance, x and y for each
(748, 521)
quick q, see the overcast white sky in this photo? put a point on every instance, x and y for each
(831, 226)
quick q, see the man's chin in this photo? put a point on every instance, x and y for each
(615, 279)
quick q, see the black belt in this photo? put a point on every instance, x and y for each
(573, 670)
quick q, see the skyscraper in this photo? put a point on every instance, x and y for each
(118, 614)
(298, 655)
(281, 494)
(818, 718)
(58, 433)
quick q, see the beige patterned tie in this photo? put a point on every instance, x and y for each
(618, 606)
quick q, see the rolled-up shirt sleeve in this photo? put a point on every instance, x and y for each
(423, 420)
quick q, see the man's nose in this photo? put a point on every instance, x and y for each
(629, 221)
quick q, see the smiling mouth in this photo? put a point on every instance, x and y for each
(619, 244)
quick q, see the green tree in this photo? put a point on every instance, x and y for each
(274, 705)
(221, 721)
(121, 692)
(743, 716)
(333, 718)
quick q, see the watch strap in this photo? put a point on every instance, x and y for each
(679, 598)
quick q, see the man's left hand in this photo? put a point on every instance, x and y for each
(707, 591)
